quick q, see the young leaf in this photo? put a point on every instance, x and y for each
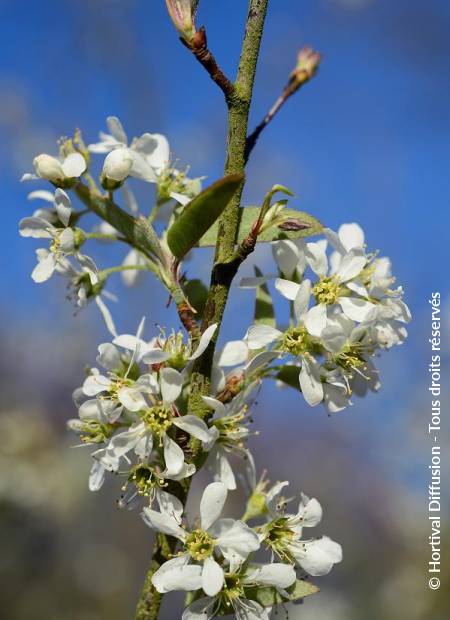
(196, 292)
(264, 313)
(289, 375)
(200, 214)
(267, 596)
(248, 215)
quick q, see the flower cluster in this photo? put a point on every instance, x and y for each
(343, 315)
(137, 408)
(216, 555)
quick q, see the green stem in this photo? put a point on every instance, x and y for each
(225, 267)
(119, 268)
(223, 273)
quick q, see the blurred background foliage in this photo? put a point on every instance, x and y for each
(367, 141)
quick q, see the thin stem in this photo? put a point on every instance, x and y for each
(199, 47)
(104, 237)
(119, 268)
(307, 64)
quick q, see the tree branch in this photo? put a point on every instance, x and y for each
(199, 47)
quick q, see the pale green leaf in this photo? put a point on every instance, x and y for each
(264, 312)
(267, 596)
(197, 293)
(200, 214)
(248, 215)
(289, 375)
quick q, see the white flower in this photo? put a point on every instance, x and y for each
(62, 242)
(61, 173)
(229, 431)
(171, 350)
(233, 539)
(150, 159)
(117, 165)
(334, 288)
(278, 576)
(282, 535)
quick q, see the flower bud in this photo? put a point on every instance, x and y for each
(293, 224)
(116, 168)
(49, 168)
(307, 64)
(180, 12)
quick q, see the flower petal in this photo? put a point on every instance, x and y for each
(205, 339)
(96, 476)
(212, 577)
(310, 511)
(277, 575)
(116, 129)
(259, 336)
(236, 540)
(351, 236)
(108, 357)
(318, 556)
(171, 382)
(351, 265)
(163, 522)
(131, 398)
(310, 382)
(316, 320)
(173, 456)
(169, 504)
(287, 288)
(74, 165)
(301, 301)
(356, 309)
(63, 206)
(316, 257)
(177, 575)
(196, 427)
(44, 269)
(233, 353)
(200, 610)
(212, 503)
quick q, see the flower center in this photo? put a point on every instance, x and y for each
(158, 419)
(326, 291)
(296, 340)
(279, 538)
(233, 589)
(350, 358)
(145, 480)
(200, 545)
(178, 351)
(117, 384)
(95, 432)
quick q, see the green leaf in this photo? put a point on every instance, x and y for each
(138, 232)
(289, 375)
(197, 293)
(264, 313)
(248, 215)
(200, 214)
(267, 596)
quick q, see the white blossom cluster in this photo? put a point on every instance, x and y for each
(134, 406)
(345, 311)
